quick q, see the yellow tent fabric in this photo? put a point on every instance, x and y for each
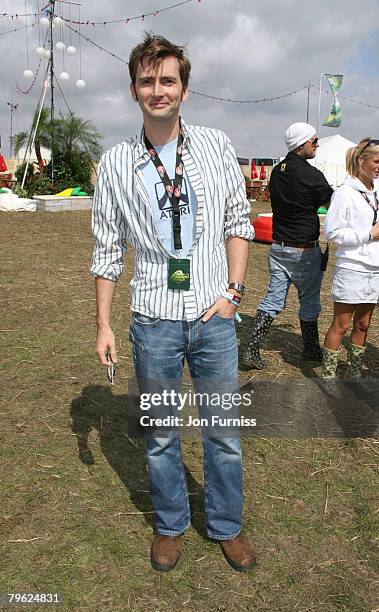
(65, 193)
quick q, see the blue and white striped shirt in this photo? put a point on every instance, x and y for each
(122, 214)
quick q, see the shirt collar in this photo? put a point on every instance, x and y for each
(144, 154)
(294, 155)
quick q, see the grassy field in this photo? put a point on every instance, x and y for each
(75, 512)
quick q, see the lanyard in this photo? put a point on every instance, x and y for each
(173, 191)
(373, 208)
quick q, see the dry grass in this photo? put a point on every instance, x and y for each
(76, 516)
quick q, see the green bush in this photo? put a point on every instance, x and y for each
(30, 180)
(43, 186)
(21, 193)
(73, 170)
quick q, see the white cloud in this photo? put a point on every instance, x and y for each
(238, 49)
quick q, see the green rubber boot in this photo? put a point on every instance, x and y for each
(355, 355)
(329, 363)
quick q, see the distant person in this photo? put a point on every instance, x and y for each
(176, 193)
(352, 224)
(297, 190)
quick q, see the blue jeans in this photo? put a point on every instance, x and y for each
(302, 267)
(159, 350)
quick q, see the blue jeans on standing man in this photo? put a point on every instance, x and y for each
(302, 267)
(159, 350)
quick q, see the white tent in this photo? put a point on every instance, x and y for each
(331, 158)
(45, 153)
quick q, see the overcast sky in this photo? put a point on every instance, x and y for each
(240, 49)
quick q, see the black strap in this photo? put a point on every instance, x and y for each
(173, 191)
(373, 208)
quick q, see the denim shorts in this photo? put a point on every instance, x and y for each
(355, 287)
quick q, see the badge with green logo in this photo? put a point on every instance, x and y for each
(179, 274)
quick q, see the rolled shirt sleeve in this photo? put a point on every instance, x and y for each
(237, 221)
(108, 227)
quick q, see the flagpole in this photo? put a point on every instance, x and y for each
(319, 102)
(309, 89)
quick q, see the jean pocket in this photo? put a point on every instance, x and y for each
(222, 318)
(141, 319)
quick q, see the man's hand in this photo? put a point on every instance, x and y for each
(106, 345)
(222, 308)
(105, 342)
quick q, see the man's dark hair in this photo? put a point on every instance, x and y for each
(156, 48)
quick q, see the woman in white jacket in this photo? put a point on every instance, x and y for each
(352, 223)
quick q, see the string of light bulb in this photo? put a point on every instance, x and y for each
(142, 16)
(49, 21)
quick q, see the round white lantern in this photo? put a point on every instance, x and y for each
(60, 46)
(28, 74)
(40, 51)
(71, 50)
(47, 53)
(45, 22)
(64, 76)
(57, 20)
(80, 84)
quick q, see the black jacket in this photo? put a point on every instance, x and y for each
(297, 190)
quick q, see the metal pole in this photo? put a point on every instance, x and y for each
(31, 142)
(52, 10)
(319, 102)
(309, 89)
(12, 107)
(10, 148)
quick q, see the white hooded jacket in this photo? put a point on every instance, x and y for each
(348, 224)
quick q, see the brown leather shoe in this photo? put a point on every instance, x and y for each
(238, 554)
(165, 552)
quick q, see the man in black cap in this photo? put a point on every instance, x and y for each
(297, 190)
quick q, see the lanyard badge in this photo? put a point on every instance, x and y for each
(179, 276)
(173, 190)
(373, 208)
(178, 269)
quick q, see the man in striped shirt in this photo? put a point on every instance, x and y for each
(177, 194)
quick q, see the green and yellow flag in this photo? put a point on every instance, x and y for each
(334, 119)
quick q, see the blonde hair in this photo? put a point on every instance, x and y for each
(360, 150)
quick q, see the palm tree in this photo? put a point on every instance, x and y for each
(73, 135)
(74, 143)
(42, 139)
(19, 140)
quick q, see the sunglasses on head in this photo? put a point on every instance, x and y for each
(371, 143)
